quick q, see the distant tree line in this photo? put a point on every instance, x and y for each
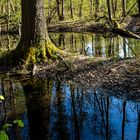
(59, 10)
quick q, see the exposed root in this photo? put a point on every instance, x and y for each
(42, 52)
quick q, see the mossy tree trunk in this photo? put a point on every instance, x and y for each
(35, 43)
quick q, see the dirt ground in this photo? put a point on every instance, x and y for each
(120, 76)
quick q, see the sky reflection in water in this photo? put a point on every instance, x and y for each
(61, 111)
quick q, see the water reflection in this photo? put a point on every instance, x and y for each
(97, 45)
(62, 111)
(86, 44)
(13, 107)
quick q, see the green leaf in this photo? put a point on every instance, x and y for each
(19, 122)
(1, 98)
(3, 135)
(6, 126)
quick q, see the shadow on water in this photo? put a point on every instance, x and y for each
(63, 111)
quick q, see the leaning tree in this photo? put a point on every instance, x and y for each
(35, 44)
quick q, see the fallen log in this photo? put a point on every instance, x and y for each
(125, 33)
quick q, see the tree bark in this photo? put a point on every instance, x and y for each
(109, 10)
(81, 5)
(91, 7)
(62, 10)
(58, 8)
(139, 7)
(49, 8)
(113, 4)
(71, 8)
(123, 8)
(96, 8)
(34, 41)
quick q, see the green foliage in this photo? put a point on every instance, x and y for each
(19, 123)
(15, 10)
(86, 6)
(2, 98)
(6, 126)
(3, 135)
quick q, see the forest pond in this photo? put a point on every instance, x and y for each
(96, 45)
(52, 110)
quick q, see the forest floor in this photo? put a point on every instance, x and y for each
(120, 76)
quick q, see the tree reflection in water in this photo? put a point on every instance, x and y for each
(62, 111)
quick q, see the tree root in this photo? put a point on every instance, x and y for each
(43, 52)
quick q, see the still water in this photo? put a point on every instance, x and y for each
(52, 110)
(97, 45)
(87, 44)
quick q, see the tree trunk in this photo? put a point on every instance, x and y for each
(8, 14)
(81, 5)
(96, 8)
(123, 8)
(139, 7)
(91, 7)
(62, 10)
(49, 8)
(34, 41)
(113, 8)
(58, 8)
(109, 10)
(71, 8)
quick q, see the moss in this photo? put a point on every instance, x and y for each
(40, 52)
(52, 48)
(27, 54)
(30, 56)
